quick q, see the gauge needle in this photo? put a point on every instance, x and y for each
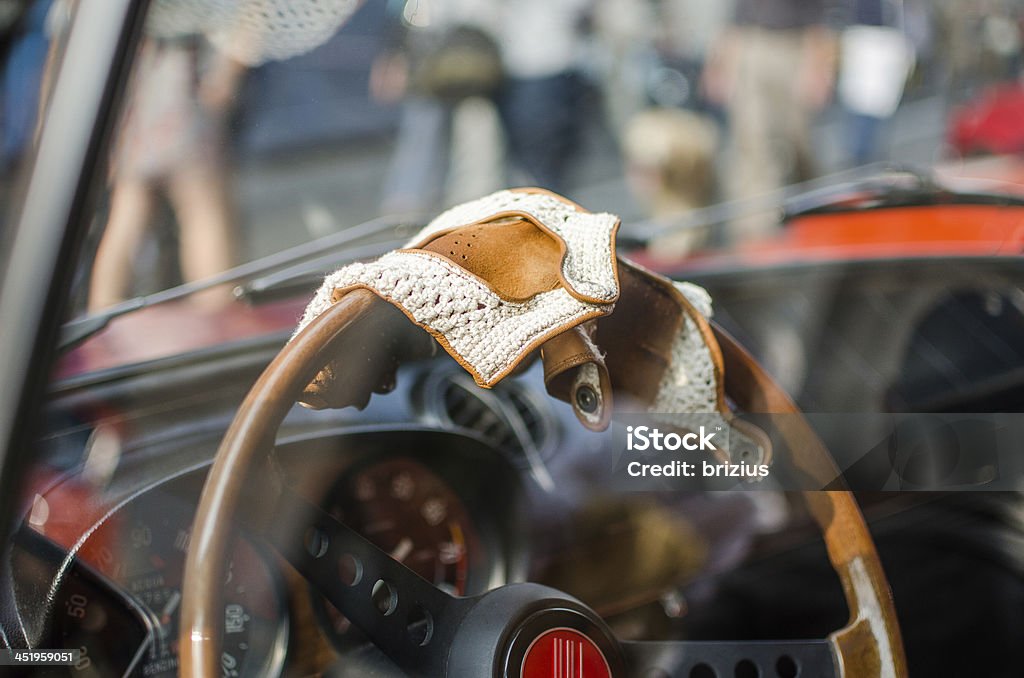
(170, 607)
(402, 549)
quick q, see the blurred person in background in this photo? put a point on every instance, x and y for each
(26, 37)
(652, 53)
(984, 47)
(171, 144)
(670, 168)
(876, 58)
(685, 34)
(625, 31)
(982, 42)
(772, 69)
(452, 56)
(991, 123)
(542, 98)
(443, 66)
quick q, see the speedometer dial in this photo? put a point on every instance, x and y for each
(143, 551)
(412, 513)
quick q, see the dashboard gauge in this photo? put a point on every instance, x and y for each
(143, 552)
(409, 511)
(87, 613)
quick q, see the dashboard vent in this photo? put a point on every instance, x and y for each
(506, 416)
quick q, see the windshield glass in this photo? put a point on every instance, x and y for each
(227, 151)
(684, 118)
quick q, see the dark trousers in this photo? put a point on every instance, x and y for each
(543, 121)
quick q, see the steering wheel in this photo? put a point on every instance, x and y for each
(352, 349)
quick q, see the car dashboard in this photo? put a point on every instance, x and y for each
(475, 488)
(460, 484)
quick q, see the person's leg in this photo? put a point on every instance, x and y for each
(797, 115)
(753, 167)
(419, 166)
(771, 125)
(863, 137)
(542, 125)
(199, 196)
(477, 152)
(131, 206)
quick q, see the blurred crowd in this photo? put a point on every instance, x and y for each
(699, 101)
(705, 100)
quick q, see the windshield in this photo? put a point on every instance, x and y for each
(227, 151)
(224, 155)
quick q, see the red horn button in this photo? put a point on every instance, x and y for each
(564, 653)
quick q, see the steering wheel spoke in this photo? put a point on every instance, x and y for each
(406, 616)
(743, 659)
(414, 623)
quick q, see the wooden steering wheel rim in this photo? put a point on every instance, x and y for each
(869, 645)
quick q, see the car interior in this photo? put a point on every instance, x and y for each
(195, 487)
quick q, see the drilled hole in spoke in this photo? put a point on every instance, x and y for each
(787, 667)
(746, 669)
(703, 671)
(316, 542)
(385, 599)
(421, 626)
(350, 570)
